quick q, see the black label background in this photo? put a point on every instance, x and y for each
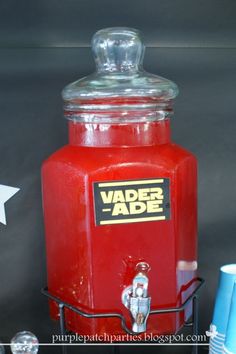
(99, 205)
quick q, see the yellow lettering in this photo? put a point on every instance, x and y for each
(131, 195)
(143, 194)
(156, 193)
(137, 207)
(120, 208)
(153, 206)
(107, 197)
(118, 197)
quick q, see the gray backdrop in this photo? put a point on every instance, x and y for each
(44, 46)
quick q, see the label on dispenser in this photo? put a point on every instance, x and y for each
(121, 202)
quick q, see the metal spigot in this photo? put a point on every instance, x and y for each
(135, 298)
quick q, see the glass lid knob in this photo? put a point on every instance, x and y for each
(118, 50)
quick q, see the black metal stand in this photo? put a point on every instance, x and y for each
(194, 323)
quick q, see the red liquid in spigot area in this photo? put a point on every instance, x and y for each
(89, 265)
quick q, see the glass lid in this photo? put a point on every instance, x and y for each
(119, 85)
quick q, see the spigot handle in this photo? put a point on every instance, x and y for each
(136, 299)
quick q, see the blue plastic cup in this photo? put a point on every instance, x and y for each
(226, 282)
(216, 340)
(226, 351)
(223, 297)
(216, 346)
(230, 340)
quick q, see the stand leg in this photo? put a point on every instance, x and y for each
(62, 325)
(195, 323)
(62, 319)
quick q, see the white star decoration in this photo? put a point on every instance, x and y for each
(6, 193)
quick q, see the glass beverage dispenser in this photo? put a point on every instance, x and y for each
(120, 200)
